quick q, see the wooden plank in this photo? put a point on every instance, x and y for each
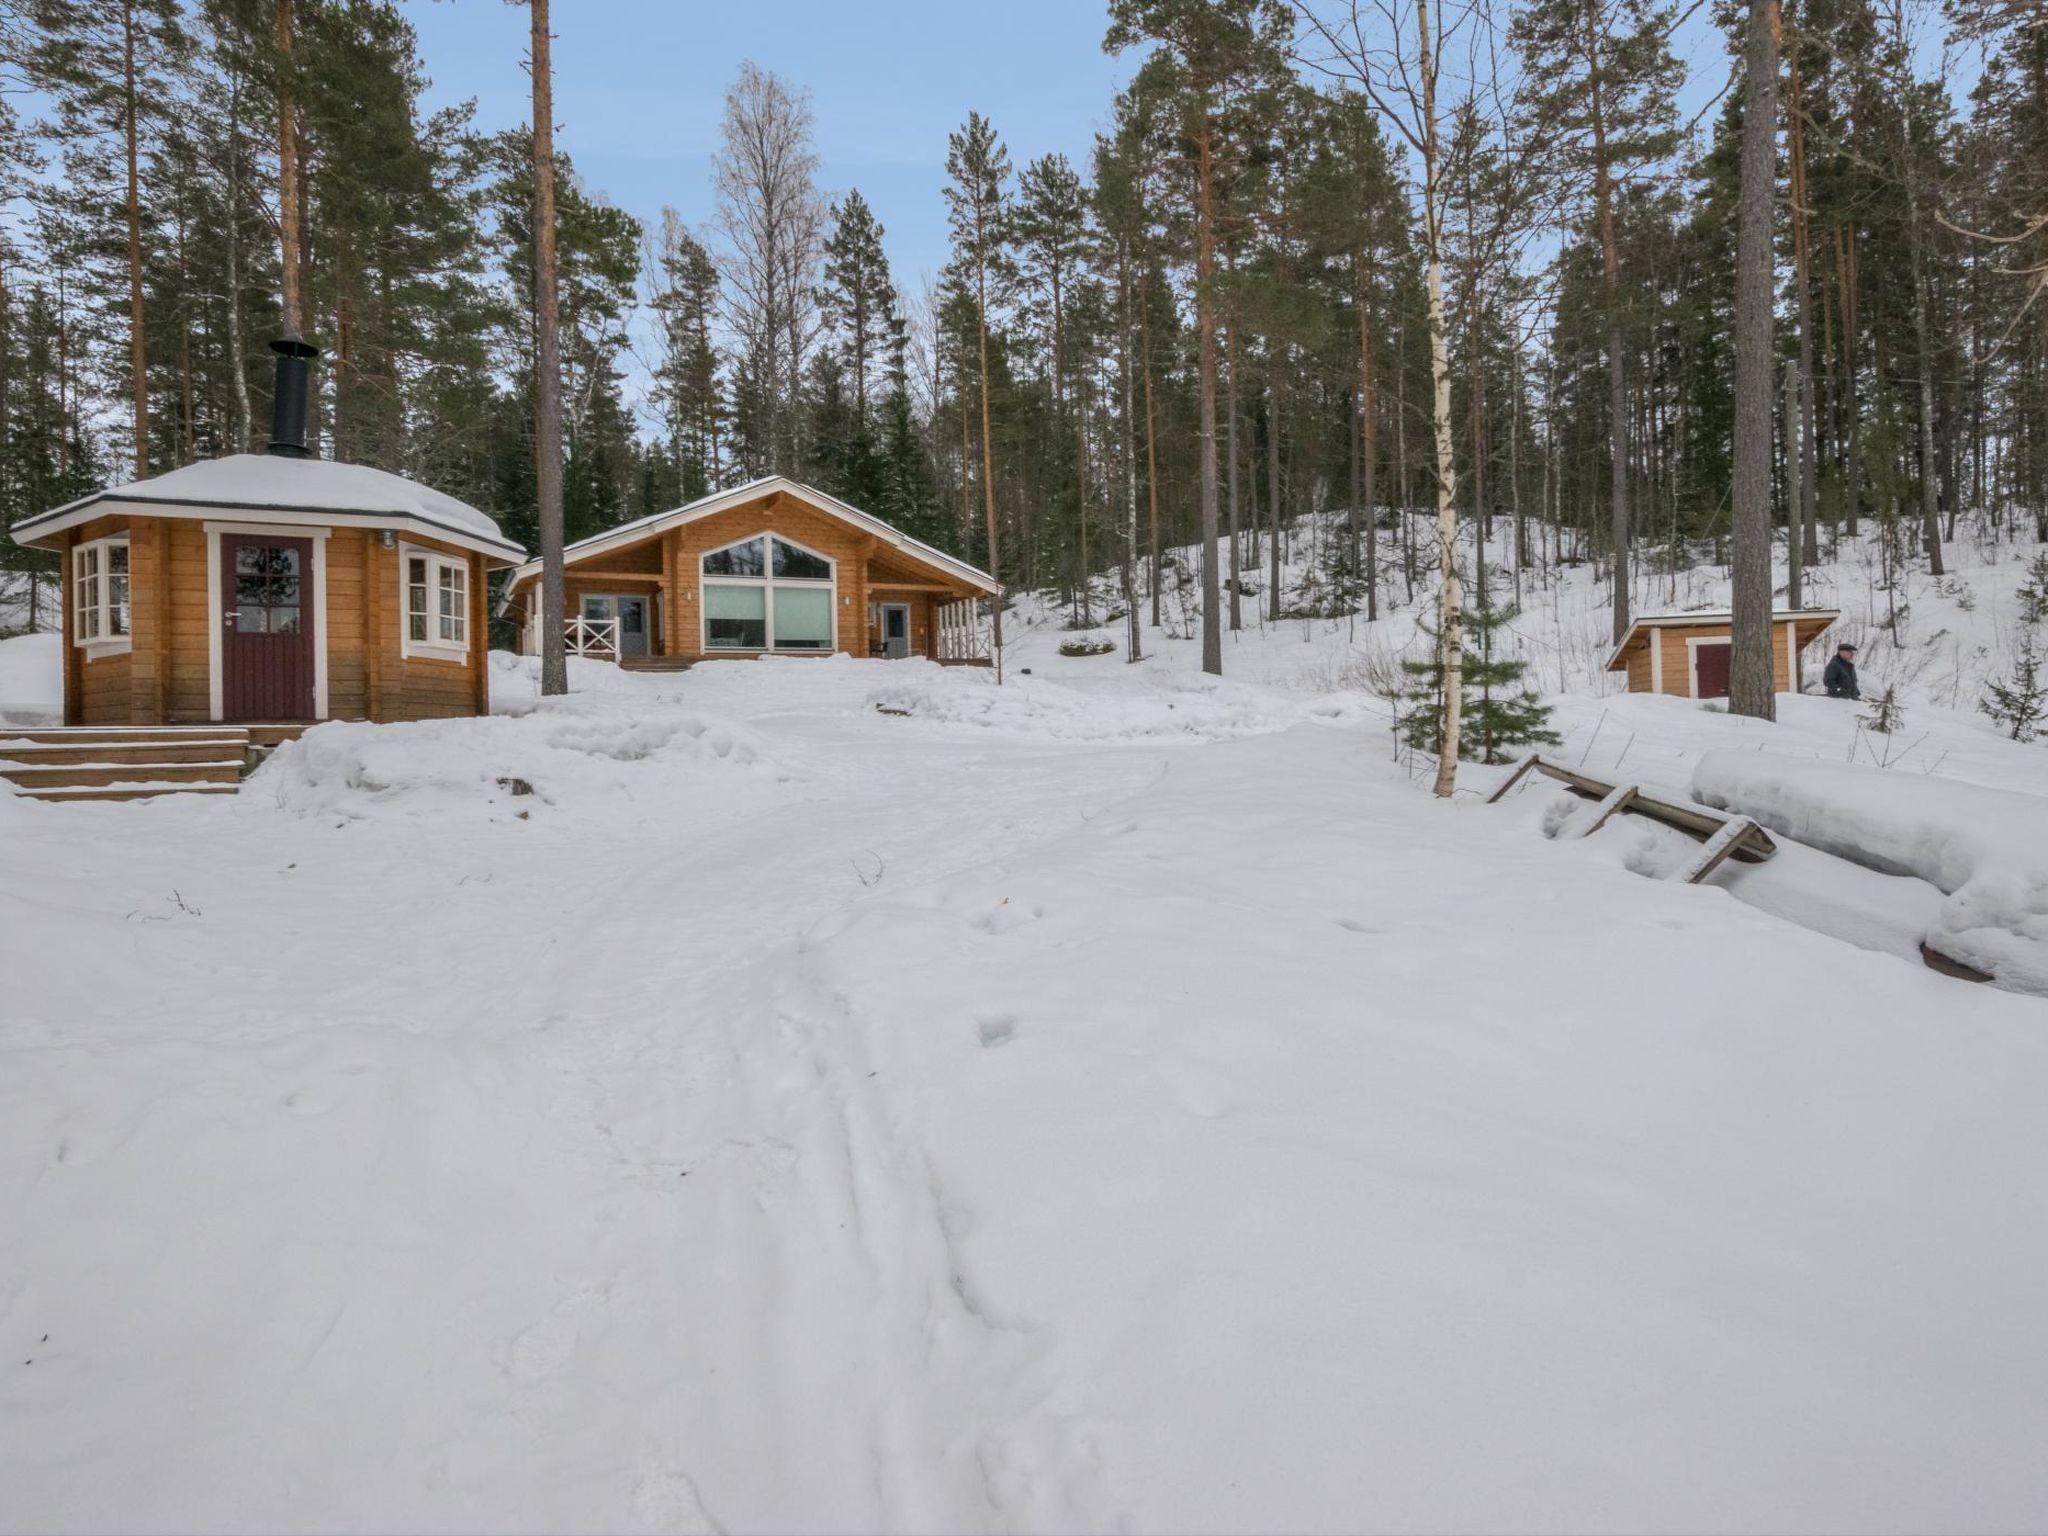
(1696, 821)
(1935, 960)
(1617, 799)
(1521, 769)
(1719, 847)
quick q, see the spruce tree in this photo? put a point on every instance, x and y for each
(2018, 704)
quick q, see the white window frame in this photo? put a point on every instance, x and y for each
(102, 641)
(765, 583)
(432, 648)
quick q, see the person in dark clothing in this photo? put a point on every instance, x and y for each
(1840, 677)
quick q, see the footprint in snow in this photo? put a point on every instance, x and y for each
(1357, 925)
(996, 1029)
(667, 1500)
(539, 1351)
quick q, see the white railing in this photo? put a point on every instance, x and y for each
(963, 631)
(592, 637)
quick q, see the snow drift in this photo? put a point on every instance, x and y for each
(1985, 849)
(579, 748)
(1187, 707)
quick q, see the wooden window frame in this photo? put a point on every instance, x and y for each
(765, 584)
(103, 640)
(433, 648)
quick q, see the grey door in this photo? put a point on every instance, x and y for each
(895, 629)
(632, 626)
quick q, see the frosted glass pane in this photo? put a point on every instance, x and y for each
(803, 619)
(735, 618)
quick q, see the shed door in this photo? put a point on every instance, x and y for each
(267, 639)
(1710, 669)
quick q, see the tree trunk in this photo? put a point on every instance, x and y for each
(1230, 407)
(988, 467)
(1923, 339)
(1450, 634)
(1852, 491)
(1369, 435)
(1807, 549)
(1751, 682)
(547, 368)
(293, 318)
(1795, 529)
(1273, 387)
(138, 346)
(1205, 316)
(1151, 442)
(1610, 290)
(1132, 627)
(245, 415)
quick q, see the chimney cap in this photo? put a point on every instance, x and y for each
(290, 345)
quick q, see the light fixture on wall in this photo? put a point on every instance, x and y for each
(388, 539)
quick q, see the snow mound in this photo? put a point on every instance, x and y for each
(1985, 849)
(32, 679)
(505, 766)
(1194, 708)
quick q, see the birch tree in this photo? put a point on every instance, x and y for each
(1393, 51)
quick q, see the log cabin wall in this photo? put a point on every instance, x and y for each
(665, 566)
(165, 678)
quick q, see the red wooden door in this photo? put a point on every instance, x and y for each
(1711, 663)
(267, 639)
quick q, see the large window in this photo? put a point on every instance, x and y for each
(99, 593)
(764, 594)
(436, 603)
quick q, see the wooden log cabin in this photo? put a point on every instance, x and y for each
(272, 588)
(772, 567)
(1687, 654)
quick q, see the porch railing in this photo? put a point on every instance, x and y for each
(963, 631)
(592, 637)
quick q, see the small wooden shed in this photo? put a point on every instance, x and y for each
(1687, 654)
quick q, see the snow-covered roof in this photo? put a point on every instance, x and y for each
(739, 495)
(1813, 620)
(294, 488)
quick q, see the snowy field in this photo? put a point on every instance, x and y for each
(1124, 1102)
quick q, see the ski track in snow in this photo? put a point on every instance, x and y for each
(1040, 1116)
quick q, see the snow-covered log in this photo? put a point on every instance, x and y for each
(1985, 849)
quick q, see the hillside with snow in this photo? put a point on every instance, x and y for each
(845, 1094)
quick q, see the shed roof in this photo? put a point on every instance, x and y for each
(293, 489)
(1809, 622)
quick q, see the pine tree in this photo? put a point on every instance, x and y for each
(2033, 594)
(686, 383)
(978, 208)
(2019, 703)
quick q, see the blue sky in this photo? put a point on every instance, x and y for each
(639, 86)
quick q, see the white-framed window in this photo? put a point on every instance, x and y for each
(434, 603)
(768, 594)
(99, 594)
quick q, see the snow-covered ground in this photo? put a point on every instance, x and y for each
(713, 1102)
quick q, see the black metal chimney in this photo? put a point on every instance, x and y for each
(288, 403)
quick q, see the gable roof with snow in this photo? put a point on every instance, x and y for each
(285, 490)
(739, 496)
(1809, 623)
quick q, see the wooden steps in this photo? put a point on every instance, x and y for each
(656, 663)
(96, 763)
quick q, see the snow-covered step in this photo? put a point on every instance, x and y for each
(197, 749)
(73, 735)
(125, 763)
(142, 790)
(87, 775)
